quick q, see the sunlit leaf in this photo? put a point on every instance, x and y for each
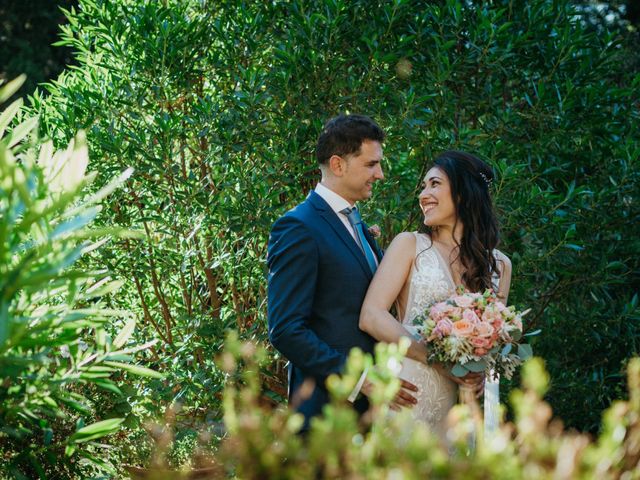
(96, 430)
(124, 334)
(135, 369)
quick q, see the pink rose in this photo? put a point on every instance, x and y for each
(478, 352)
(464, 301)
(462, 328)
(500, 306)
(438, 311)
(470, 316)
(445, 326)
(375, 231)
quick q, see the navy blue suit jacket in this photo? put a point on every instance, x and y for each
(318, 278)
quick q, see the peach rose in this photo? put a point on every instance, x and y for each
(462, 328)
(490, 314)
(480, 352)
(484, 329)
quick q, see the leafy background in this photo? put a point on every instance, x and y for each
(217, 106)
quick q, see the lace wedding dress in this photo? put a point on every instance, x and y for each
(430, 282)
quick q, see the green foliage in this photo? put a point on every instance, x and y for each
(53, 342)
(261, 442)
(218, 106)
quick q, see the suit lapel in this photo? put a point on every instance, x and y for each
(340, 230)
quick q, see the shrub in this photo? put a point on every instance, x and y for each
(218, 105)
(53, 343)
(261, 442)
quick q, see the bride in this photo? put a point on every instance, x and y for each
(418, 269)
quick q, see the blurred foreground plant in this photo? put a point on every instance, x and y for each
(53, 344)
(262, 442)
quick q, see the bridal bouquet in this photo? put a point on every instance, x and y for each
(475, 333)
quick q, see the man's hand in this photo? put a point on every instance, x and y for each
(403, 397)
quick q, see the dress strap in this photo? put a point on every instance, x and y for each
(422, 242)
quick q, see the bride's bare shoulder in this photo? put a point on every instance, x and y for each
(403, 245)
(405, 238)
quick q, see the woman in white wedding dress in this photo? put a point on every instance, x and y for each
(418, 269)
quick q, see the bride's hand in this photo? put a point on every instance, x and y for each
(473, 380)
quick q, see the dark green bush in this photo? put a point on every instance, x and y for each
(218, 105)
(29, 30)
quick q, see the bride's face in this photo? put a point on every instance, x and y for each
(436, 201)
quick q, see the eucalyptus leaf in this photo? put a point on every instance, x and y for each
(459, 370)
(475, 366)
(525, 351)
(534, 333)
(516, 335)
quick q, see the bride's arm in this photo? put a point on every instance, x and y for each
(504, 266)
(384, 289)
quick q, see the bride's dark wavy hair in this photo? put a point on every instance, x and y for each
(469, 180)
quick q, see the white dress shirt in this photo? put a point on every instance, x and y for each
(337, 203)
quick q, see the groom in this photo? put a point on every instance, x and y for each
(321, 259)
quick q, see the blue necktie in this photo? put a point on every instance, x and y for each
(356, 222)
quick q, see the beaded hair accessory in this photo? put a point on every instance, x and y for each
(486, 179)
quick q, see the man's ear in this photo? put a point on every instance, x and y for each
(337, 165)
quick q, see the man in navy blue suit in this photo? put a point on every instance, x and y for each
(321, 259)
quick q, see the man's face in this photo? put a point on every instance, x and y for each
(361, 171)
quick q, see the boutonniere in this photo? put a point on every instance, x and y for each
(375, 231)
